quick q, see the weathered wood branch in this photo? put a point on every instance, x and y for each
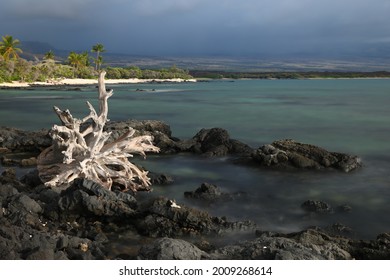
(79, 149)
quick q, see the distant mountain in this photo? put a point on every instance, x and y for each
(36, 50)
(36, 47)
(372, 58)
(33, 50)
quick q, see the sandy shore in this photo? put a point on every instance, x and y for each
(76, 82)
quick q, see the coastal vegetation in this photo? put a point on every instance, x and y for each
(86, 65)
(49, 67)
(98, 49)
(9, 48)
(135, 72)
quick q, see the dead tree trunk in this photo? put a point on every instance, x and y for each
(79, 150)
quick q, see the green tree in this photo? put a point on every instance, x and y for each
(49, 55)
(98, 49)
(98, 63)
(47, 68)
(85, 59)
(63, 71)
(76, 61)
(81, 65)
(135, 72)
(23, 71)
(9, 48)
(113, 73)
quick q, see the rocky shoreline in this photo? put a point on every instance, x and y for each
(84, 220)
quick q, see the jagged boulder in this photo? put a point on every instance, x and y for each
(316, 206)
(87, 198)
(16, 140)
(305, 245)
(217, 142)
(285, 154)
(161, 217)
(211, 193)
(208, 142)
(160, 179)
(171, 249)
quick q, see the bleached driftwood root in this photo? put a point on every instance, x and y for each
(80, 150)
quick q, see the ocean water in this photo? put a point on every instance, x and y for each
(350, 116)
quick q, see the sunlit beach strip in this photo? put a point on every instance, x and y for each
(75, 82)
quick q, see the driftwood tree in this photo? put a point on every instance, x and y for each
(81, 149)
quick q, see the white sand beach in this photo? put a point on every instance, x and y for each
(76, 82)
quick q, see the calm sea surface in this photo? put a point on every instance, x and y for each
(350, 116)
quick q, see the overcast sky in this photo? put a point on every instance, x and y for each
(203, 27)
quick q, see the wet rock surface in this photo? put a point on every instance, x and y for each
(91, 199)
(171, 249)
(212, 193)
(16, 140)
(310, 244)
(208, 142)
(162, 217)
(306, 245)
(217, 142)
(27, 231)
(315, 206)
(160, 179)
(80, 222)
(287, 154)
(84, 220)
(214, 142)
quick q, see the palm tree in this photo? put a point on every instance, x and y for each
(8, 48)
(98, 48)
(99, 61)
(85, 59)
(49, 55)
(76, 60)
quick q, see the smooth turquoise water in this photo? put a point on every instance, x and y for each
(349, 116)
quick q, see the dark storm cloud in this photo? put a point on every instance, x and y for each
(187, 27)
(44, 9)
